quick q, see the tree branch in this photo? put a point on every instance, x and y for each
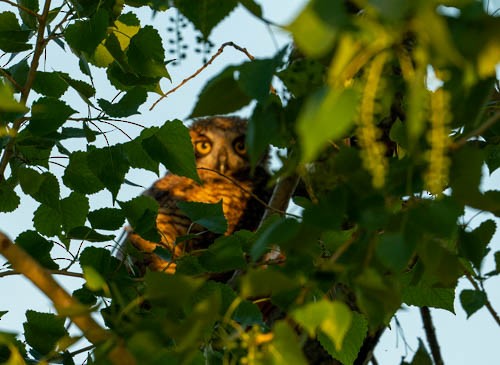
(52, 272)
(430, 332)
(64, 303)
(477, 132)
(217, 54)
(39, 47)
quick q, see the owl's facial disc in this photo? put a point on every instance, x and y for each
(221, 150)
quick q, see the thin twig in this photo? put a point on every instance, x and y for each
(477, 132)
(238, 185)
(21, 7)
(53, 272)
(430, 332)
(217, 54)
(487, 303)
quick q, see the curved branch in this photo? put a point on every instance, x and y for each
(430, 332)
(217, 54)
(53, 272)
(64, 303)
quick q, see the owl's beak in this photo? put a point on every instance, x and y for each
(222, 161)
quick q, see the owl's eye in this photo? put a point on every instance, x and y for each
(203, 147)
(239, 146)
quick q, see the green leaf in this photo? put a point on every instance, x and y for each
(472, 300)
(285, 347)
(274, 234)
(492, 157)
(106, 218)
(176, 290)
(86, 35)
(44, 188)
(352, 343)
(327, 115)
(29, 20)
(78, 175)
(127, 105)
(47, 115)
(8, 104)
(332, 318)
(34, 150)
(141, 213)
(74, 210)
(465, 173)
(429, 296)
(256, 283)
(85, 296)
(137, 156)
(311, 34)
(421, 357)
(205, 14)
(303, 76)
(394, 252)
(19, 72)
(49, 84)
(42, 331)
(9, 200)
(87, 234)
(47, 220)
(94, 281)
(210, 216)
(473, 245)
(171, 145)
(126, 80)
(252, 7)
(110, 165)
(223, 255)
(83, 89)
(256, 76)
(12, 37)
(221, 95)
(38, 247)
(146, 55)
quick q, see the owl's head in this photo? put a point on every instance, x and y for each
(219, 144)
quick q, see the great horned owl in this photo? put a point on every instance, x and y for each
(224, 168)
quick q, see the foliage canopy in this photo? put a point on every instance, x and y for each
(386, 168)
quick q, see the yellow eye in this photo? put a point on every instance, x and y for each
(203, 147)
(239, 147)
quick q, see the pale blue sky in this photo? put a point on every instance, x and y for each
(472, 341)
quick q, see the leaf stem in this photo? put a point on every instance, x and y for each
(430, 332)
(53, 272)
(488, 305)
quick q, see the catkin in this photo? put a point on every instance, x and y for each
(372, 150)
(438, 137)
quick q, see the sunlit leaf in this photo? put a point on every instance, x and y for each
(7, 101)
(352, 341)
(327, 115)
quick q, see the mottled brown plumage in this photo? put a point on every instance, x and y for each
(223, 166)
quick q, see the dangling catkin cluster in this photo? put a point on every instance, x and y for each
(439, 140)
(372, 150)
